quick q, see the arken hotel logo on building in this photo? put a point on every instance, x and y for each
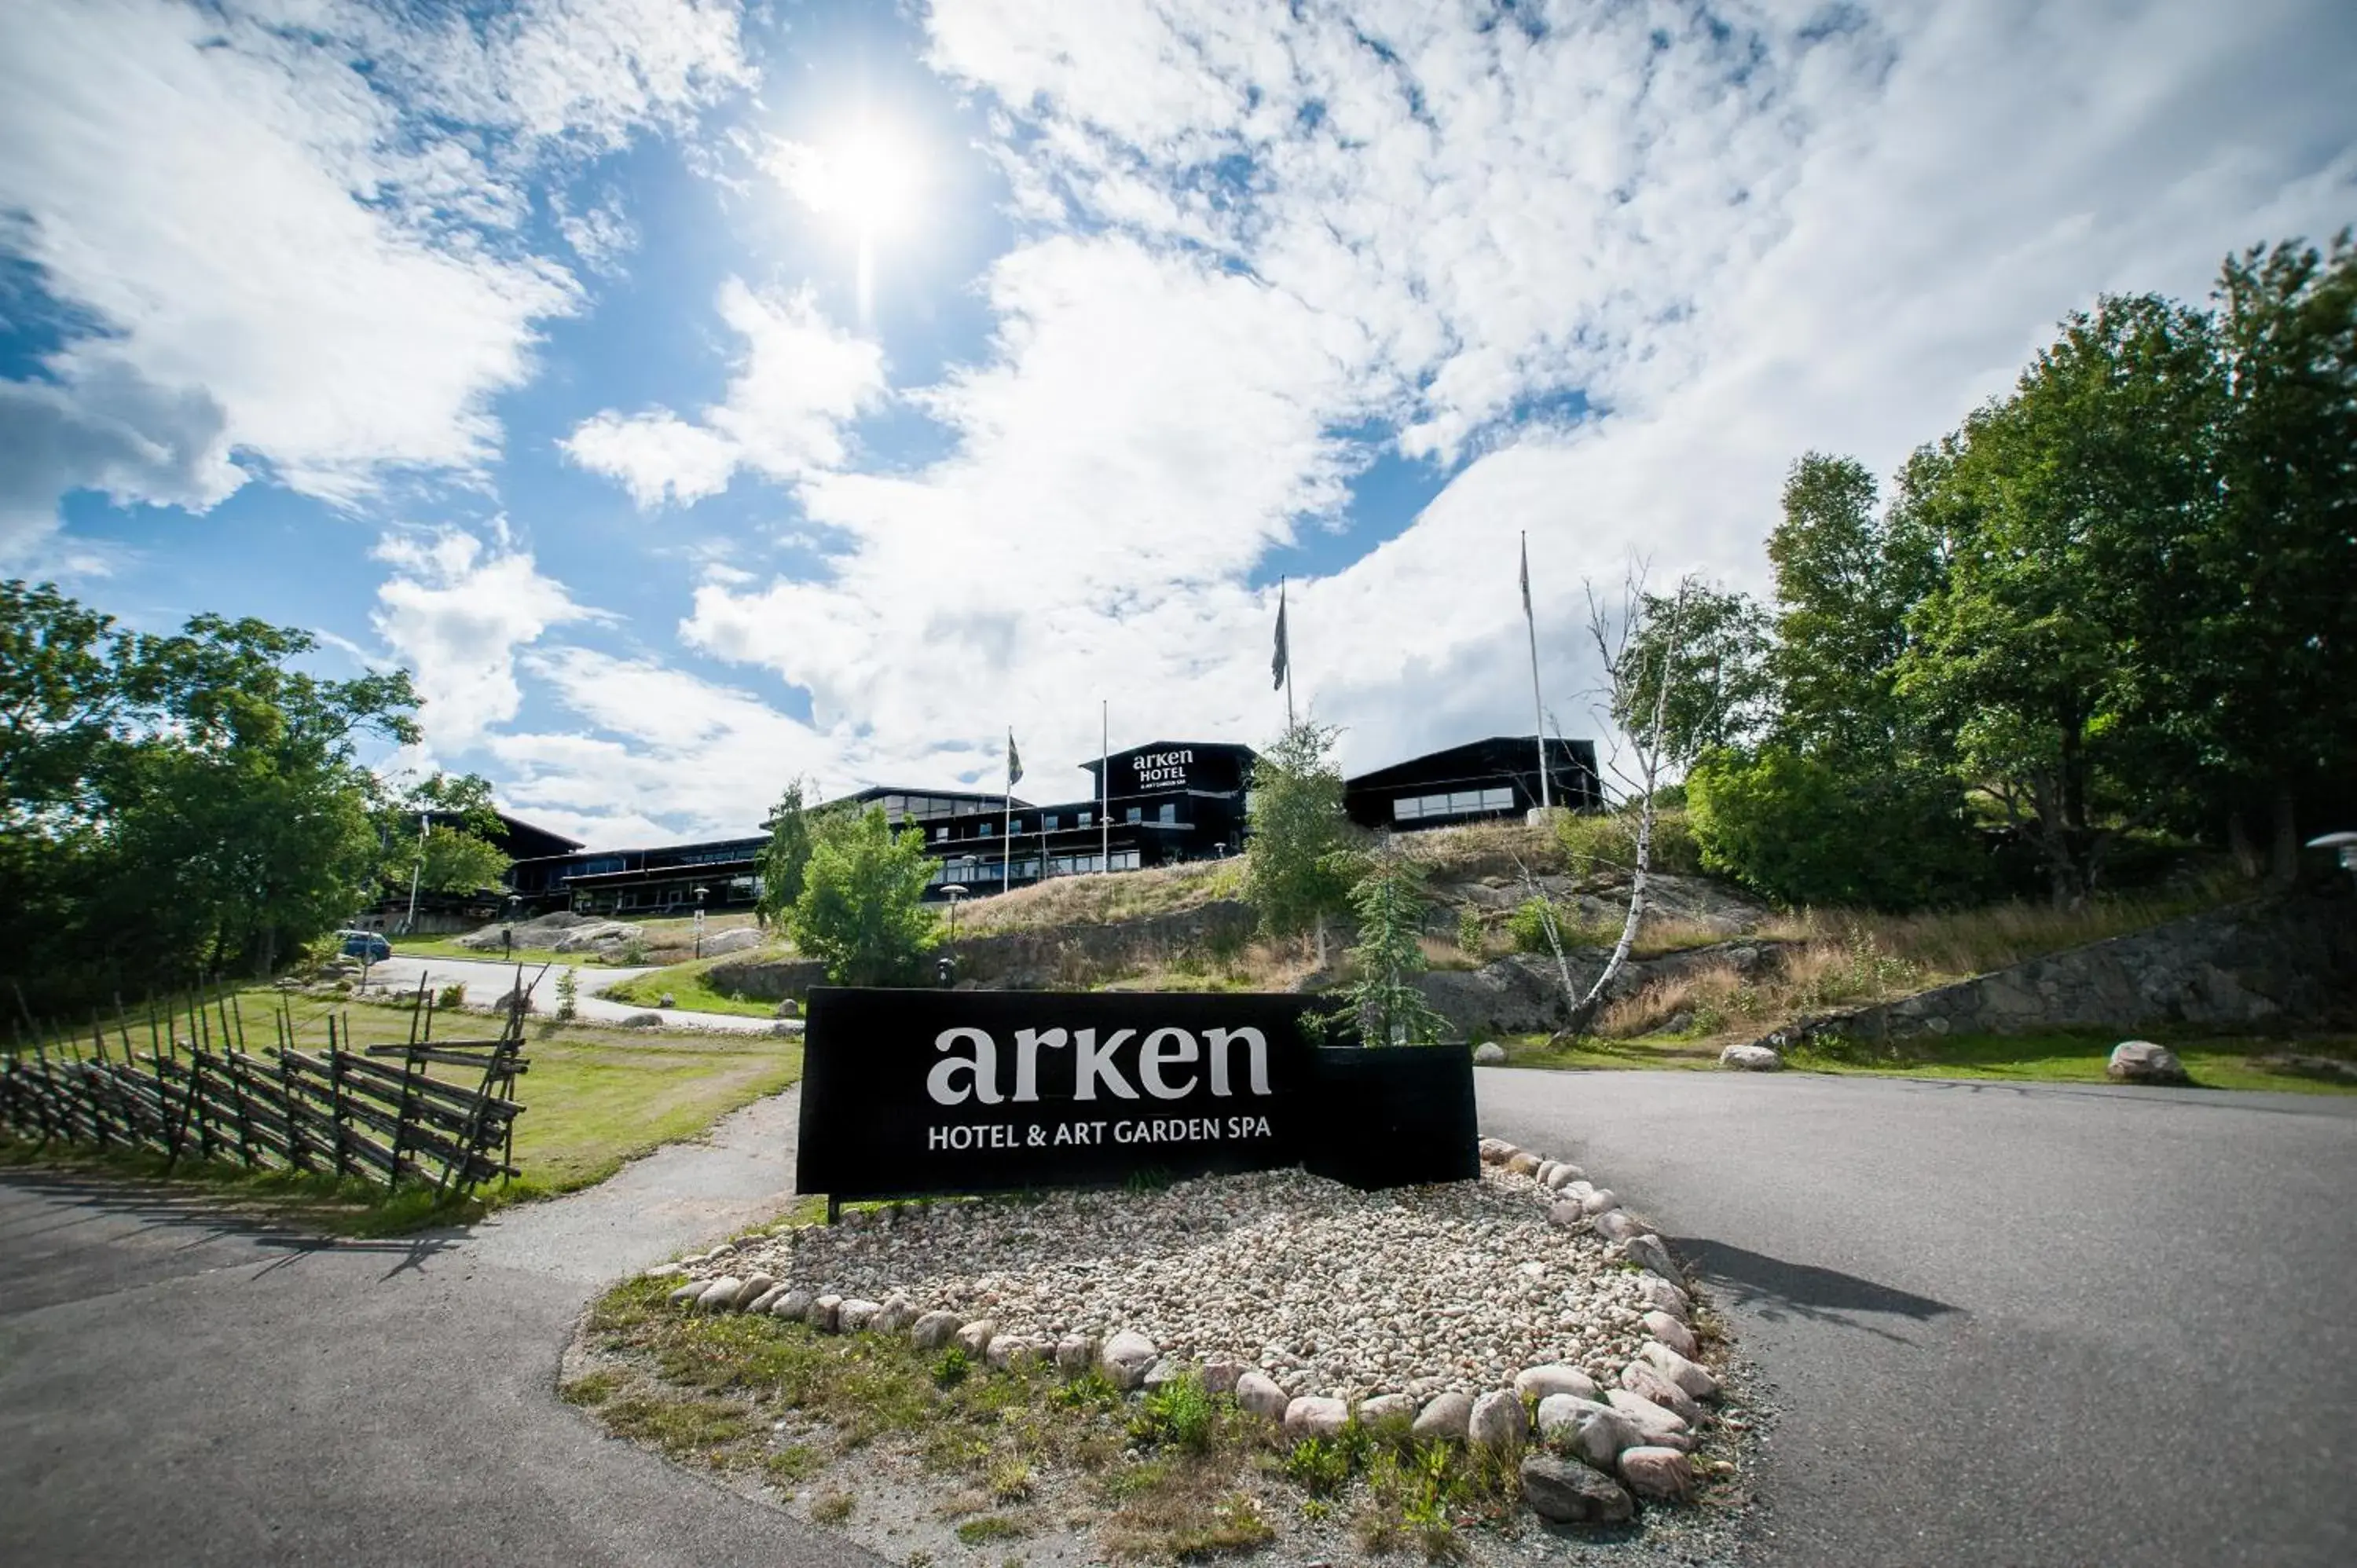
(1163, 769)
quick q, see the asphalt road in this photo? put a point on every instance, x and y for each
(174, 1389)
(2007, 1327)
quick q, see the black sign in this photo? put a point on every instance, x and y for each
(906, 1092)
(912, 1092)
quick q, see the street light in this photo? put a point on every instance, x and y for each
(954, 891)
(2345, 842)
(699, 920)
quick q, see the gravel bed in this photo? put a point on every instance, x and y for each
(1327, 1289)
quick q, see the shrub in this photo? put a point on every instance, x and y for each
(1802, 830)
(1472, 932)
(568, 994)
(953, 1367)
(450, 996)
(1179, 1414)
(1527, 926)
(1606, 841)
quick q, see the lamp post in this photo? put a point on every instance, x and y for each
(2344, 842)
(699, 920)
(954, 891)
(506, 931)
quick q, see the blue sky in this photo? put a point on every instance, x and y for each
(697, 395)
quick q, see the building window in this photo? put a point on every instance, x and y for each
(983, 832)
(1087, 818)
(1047, 824)
(1455, 803)
(1132, 814)
(1168, 813)
(939, 833)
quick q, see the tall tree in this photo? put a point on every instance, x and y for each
(2267, 667)
(783, 860)
(1720, 692)
(2064, 513)
(1846, 577)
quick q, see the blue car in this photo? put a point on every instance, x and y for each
(366, 945)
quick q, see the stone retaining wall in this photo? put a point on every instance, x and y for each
(1523, 992)
(2264, 965)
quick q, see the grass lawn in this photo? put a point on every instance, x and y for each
(691, 989)
(2056, 1056)
(2078, 1057)
(593, 1099)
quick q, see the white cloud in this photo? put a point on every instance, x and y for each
(799, 381)
(455, 614)
(301, 215)
(1736, 237)
(104, 427)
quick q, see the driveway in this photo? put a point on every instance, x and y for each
(177, 1389)
(486, 982)
(2007, 1327)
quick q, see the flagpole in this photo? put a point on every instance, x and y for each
(1007, 826)
(1538, 703)
(1104, 785)
(1284, 653)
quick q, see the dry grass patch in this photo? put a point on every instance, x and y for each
(1105, 900)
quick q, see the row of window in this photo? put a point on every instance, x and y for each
(1051, 822)
(919, 807)
(1455, 803)
(984, 874)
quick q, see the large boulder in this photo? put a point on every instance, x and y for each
(1259, 1394)
(1751, 1059)
(2141, 1061)
(1564, 1492)
(1445, 1418)
(1488, 1053)
(1648, 1382)
(1498, 1420)
(1590, 1428)
(742, 940)
(1542, 1382)
(1310, 1416)
(1125, 1358)
(1661, 1473)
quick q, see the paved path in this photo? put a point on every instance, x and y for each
(487, 980)
(177, 1389)
(2008, 1327)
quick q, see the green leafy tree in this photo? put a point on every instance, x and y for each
(1720, 692)
(861, 911)
(1846, 577)
(2265, 690)
(176, 804)
(784, 860)
(2065, 514)
(456, 853)
(1297, 868)
(1389, 900)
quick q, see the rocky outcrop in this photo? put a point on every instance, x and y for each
(1523, 994)
(2271, 963)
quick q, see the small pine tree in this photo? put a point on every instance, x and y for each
(1389, 901)
(568, 994)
